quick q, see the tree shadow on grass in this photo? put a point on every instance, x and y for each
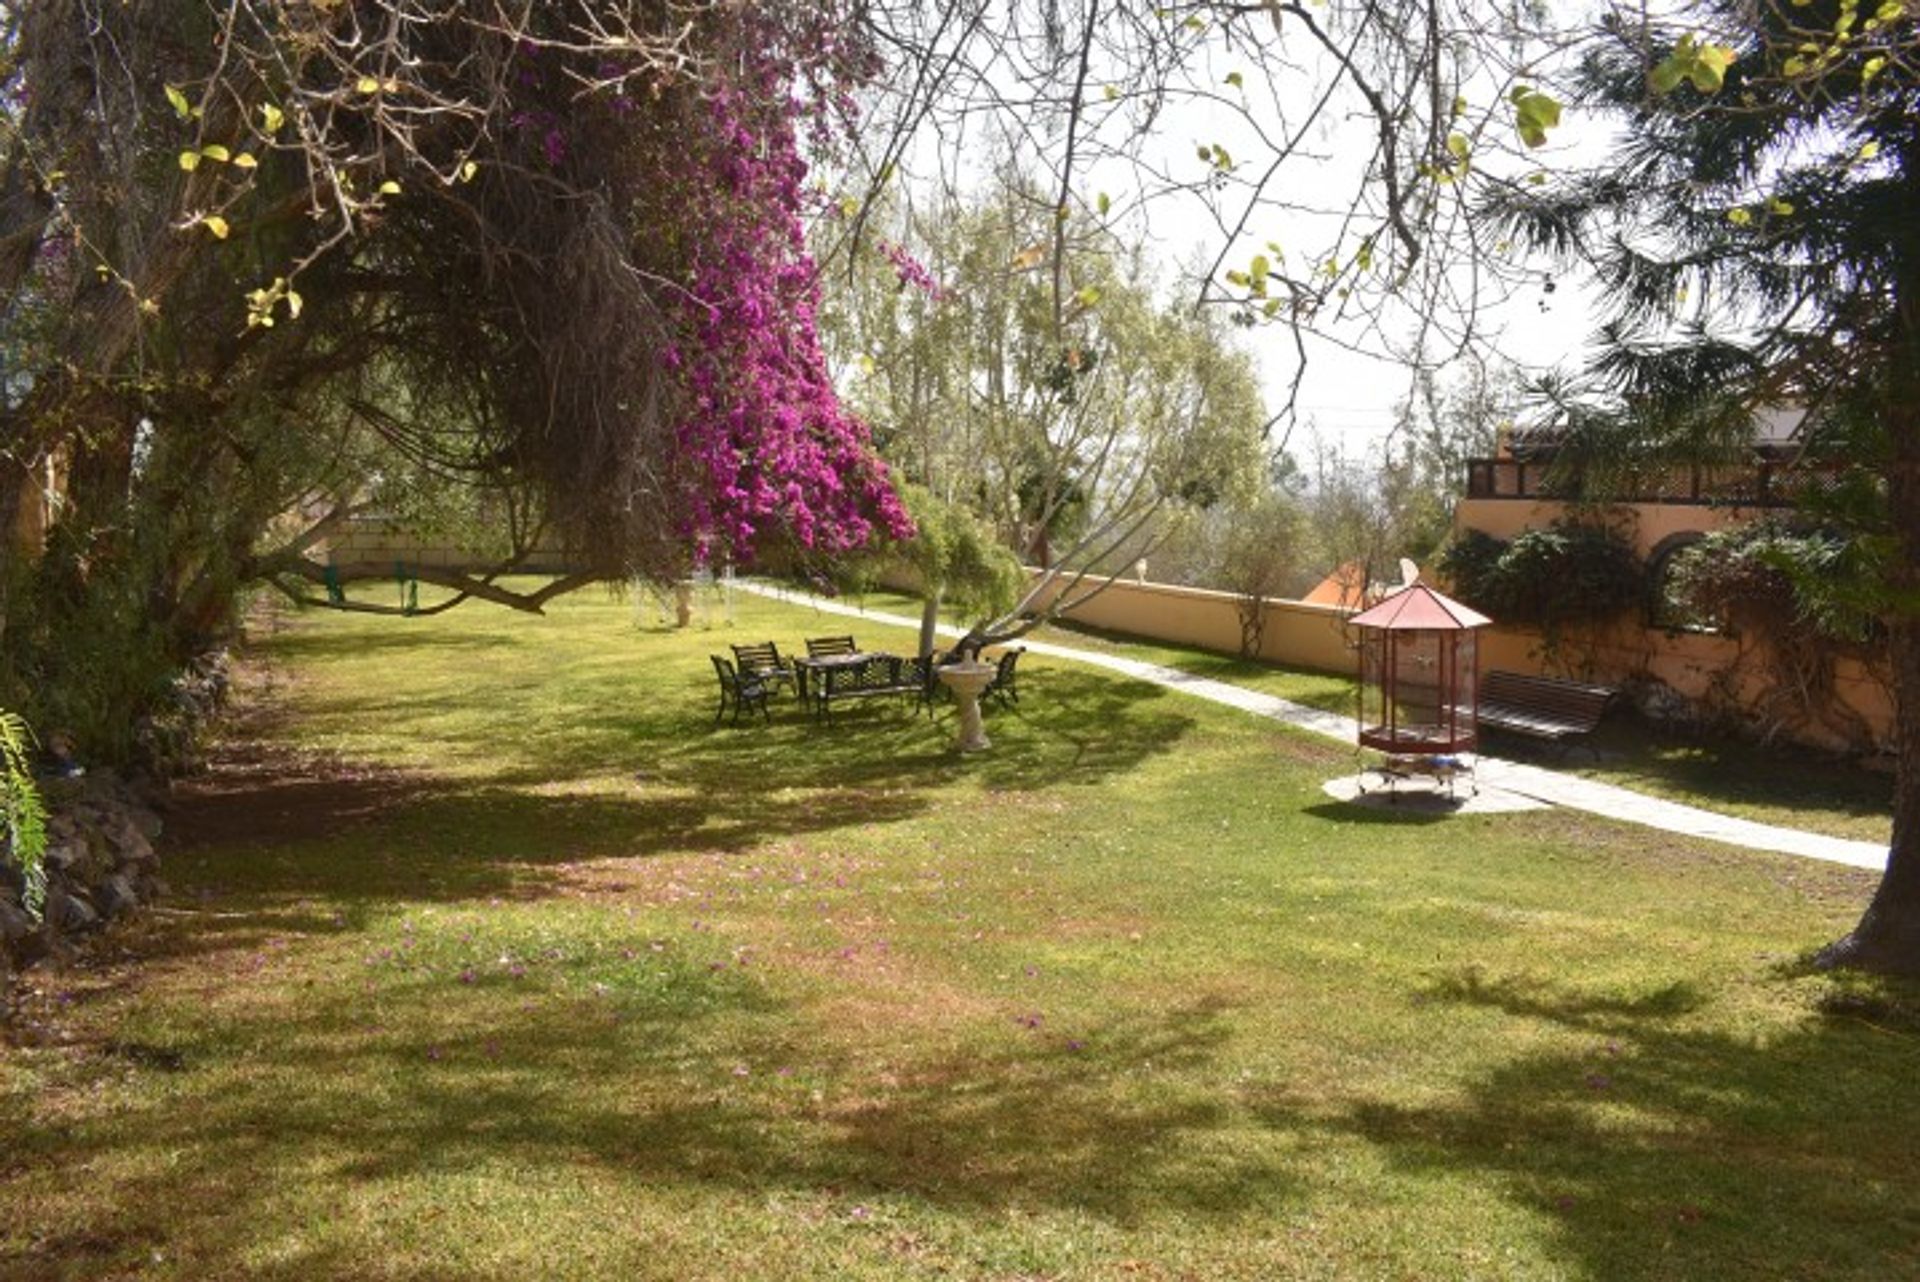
(1081, 728)
(1663, 1151)
(1073, 726)
(648, 1090)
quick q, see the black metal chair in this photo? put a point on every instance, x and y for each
(1004, 685)
(738, 691)
(917, 679)
(764, 663)
(822, 647)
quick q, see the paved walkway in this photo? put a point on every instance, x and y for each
(1550, 786)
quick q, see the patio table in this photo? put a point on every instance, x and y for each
(812, 673)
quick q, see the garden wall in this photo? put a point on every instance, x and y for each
(1295, 633)
(379, 544)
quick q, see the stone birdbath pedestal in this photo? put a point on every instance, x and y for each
(967, 680)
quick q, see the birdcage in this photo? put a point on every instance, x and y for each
(1419, 674)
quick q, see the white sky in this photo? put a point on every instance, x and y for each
(1346, 398)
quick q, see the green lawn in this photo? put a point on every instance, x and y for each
(1782, 785)
(490, 957)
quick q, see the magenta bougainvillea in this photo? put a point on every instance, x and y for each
(912, 272)
(765, 446)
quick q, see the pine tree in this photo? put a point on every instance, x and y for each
(1757, 234)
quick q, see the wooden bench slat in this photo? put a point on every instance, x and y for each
(1544, 707)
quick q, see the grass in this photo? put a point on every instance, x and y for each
(491, 958)
(1789, 786)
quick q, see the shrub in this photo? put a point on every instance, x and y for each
(1566, 575)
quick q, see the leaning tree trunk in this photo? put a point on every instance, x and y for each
(929, 621)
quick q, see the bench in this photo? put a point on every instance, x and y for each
(865, 677)
(1542, 707)
(830, 647)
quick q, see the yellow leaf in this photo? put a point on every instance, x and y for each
(294, 304)
(245, 160)
(271, 117)
(179, 101)
(214, 151)
(368, 85)
(217, 225)
(472, 167)
(1739, 217)
(1029, 258)
(189, 160)
(389, 188)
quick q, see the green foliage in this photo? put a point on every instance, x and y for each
(23, 831)
(1786, 583)
(1701, 64)
(1533, 113)
(1570, 573)
(1054, 415)
(957, 557)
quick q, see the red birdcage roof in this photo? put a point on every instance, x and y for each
(1419, 607)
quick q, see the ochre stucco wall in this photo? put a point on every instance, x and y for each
(1295, 633)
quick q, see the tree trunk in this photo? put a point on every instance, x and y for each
(1888, 936)
(929, 620)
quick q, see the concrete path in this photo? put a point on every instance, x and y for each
(1550, 786)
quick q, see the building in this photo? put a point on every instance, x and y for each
(1673, 667)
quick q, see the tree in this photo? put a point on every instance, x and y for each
(1259, 558)
(1354, 131)
(1758, 235)
(956, 560)
(1073, 441)
(265, 260)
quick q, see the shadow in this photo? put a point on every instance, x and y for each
(463, 1082)
(1351, 812)
(403, 637)
(1073, 725)
(1658, 1150)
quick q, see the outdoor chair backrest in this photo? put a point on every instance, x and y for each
(1003, 677)
(820, 647)
(763, 657)
(729, 679)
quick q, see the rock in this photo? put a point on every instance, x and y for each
(116, 897)
(13, 882)
(131, 845)
(69, 913)
(63, 855)
(15, 927)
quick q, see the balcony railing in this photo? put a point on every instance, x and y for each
(1763, 484)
